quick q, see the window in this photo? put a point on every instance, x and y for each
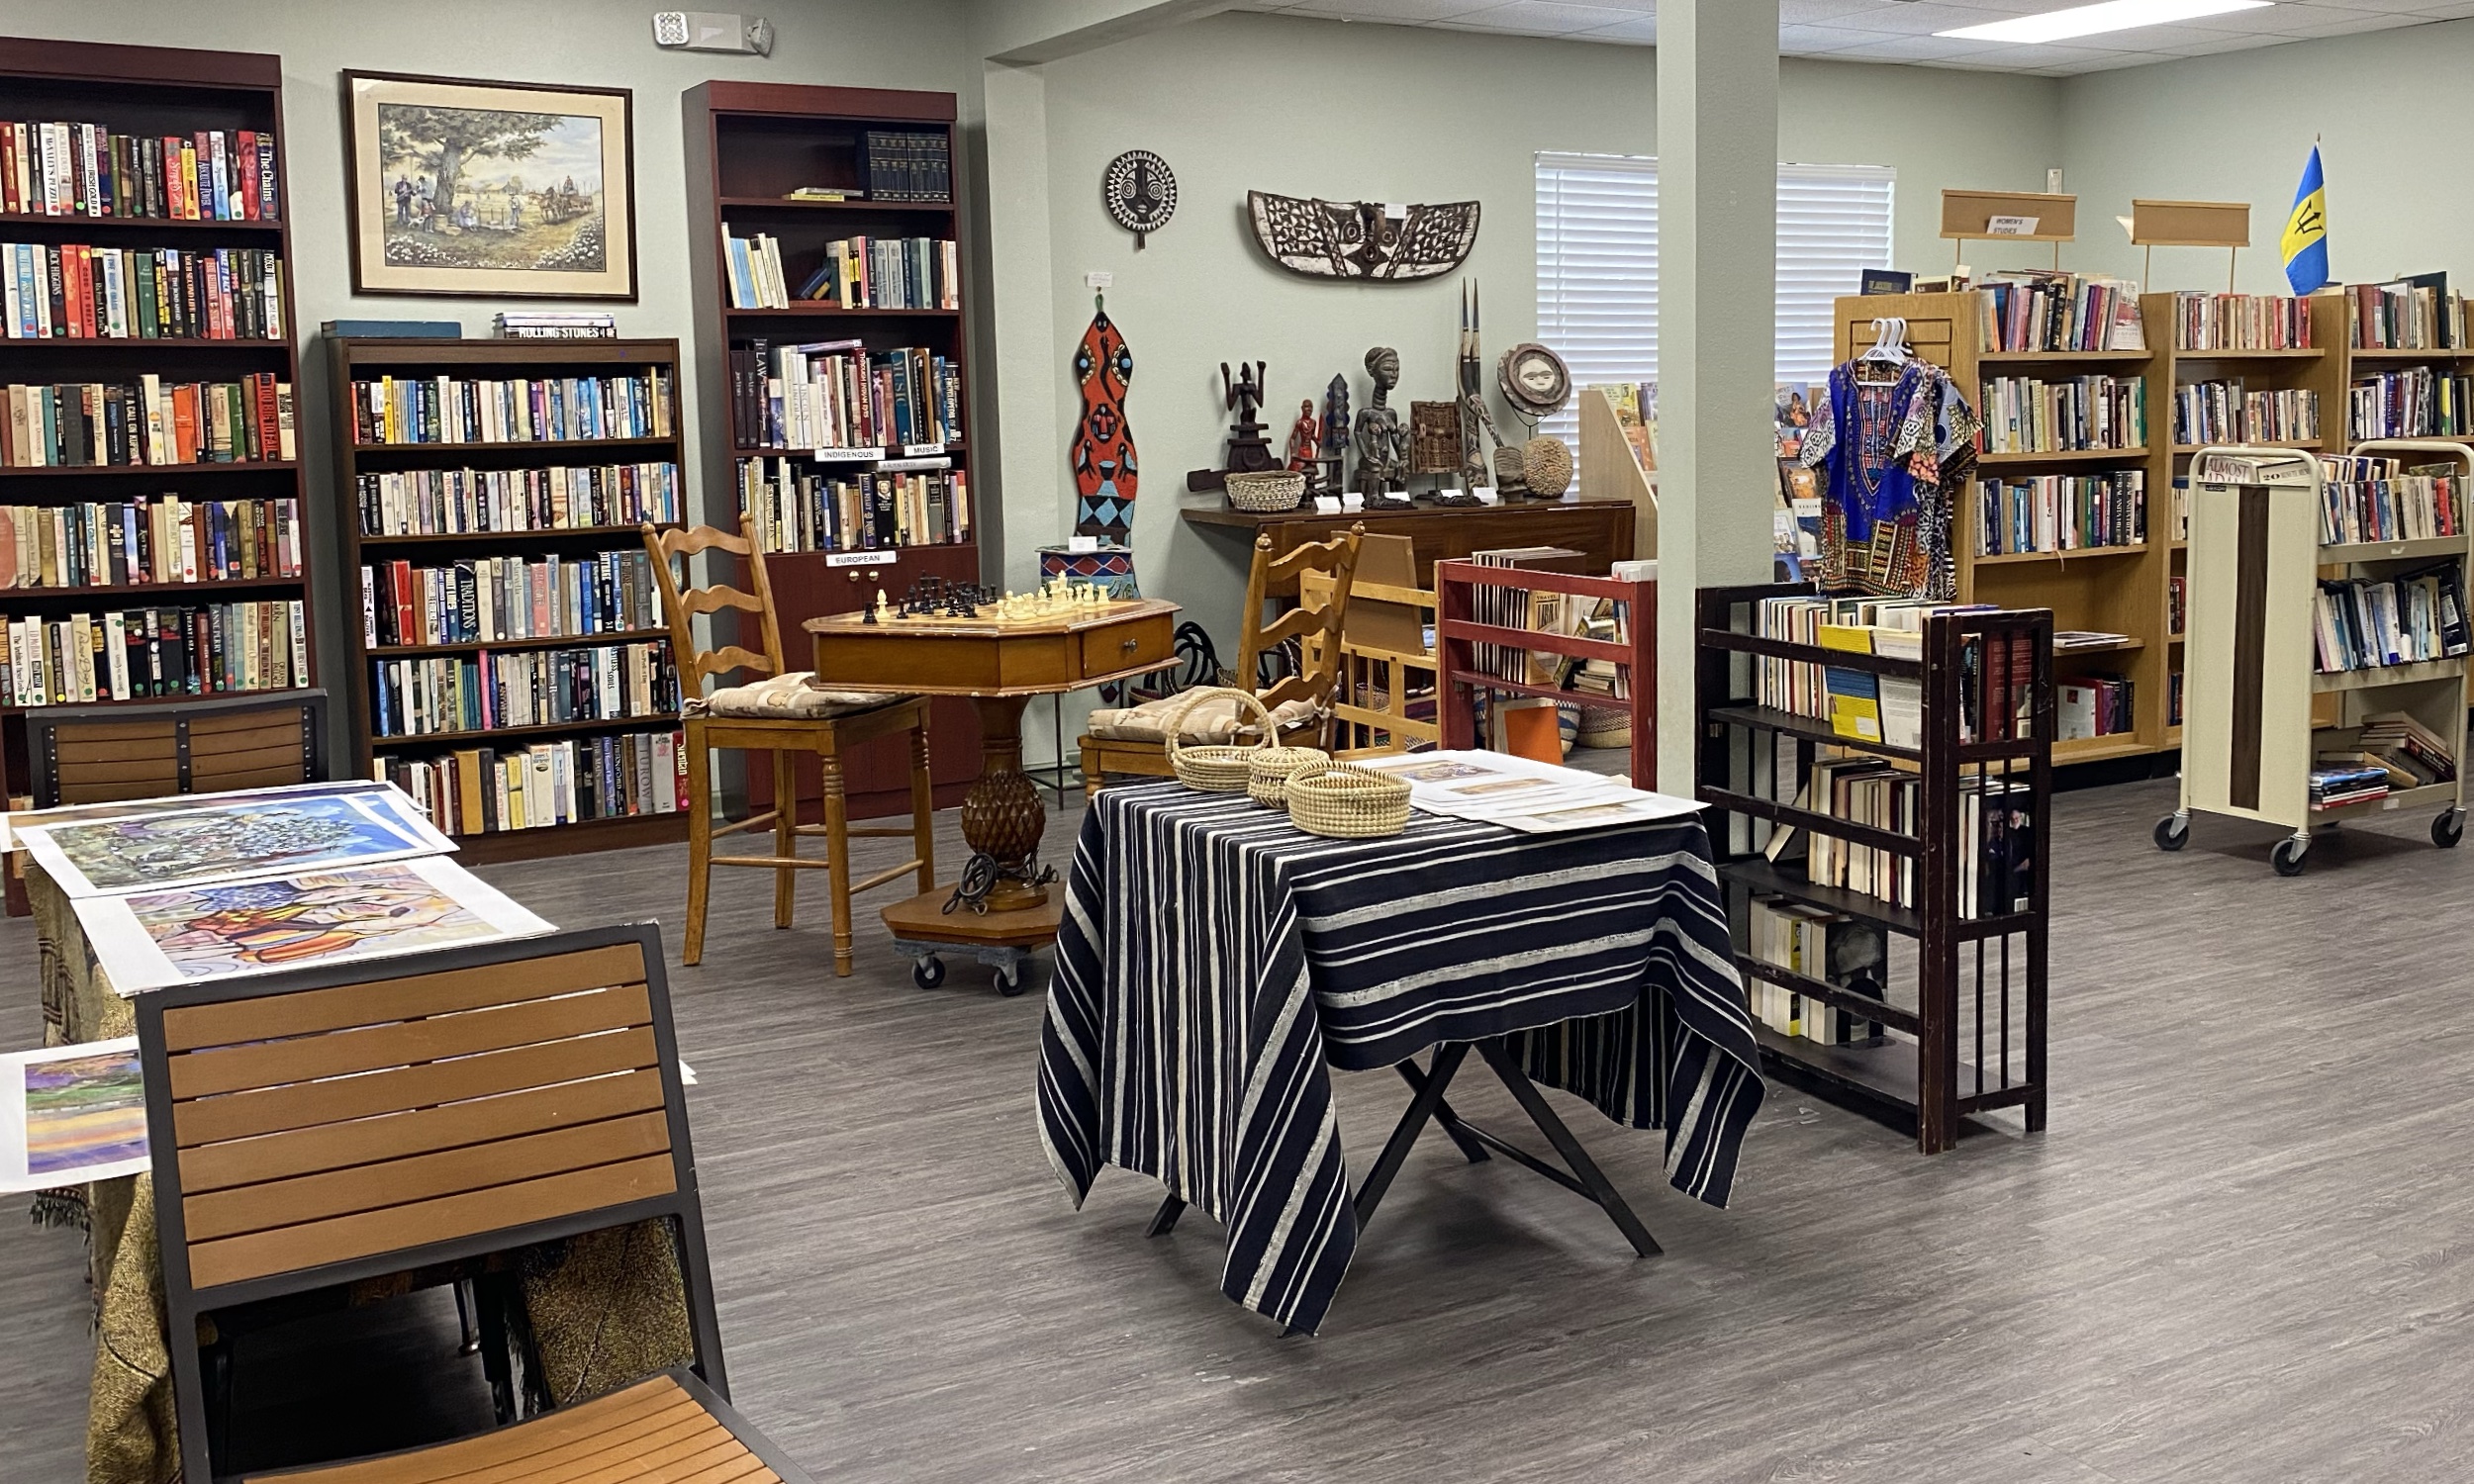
(1597, 262)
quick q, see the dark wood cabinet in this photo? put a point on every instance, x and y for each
(1599, 529)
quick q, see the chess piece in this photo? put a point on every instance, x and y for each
(1382, 444)
(881, 611)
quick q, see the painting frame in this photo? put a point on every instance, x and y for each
(372, 210)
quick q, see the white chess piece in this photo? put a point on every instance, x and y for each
(884, 606)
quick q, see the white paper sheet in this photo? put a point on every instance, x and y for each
(144, 940)
(232, 840)
(1523, 794)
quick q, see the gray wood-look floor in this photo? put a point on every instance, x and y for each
(2243, 1251)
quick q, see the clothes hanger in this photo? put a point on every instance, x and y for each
(1889, 341)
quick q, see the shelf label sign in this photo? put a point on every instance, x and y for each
(2010, 227)
(922, 450)
(847, 455)
(837, 559)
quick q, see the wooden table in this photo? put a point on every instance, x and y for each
(1600, 529)
(999, 664)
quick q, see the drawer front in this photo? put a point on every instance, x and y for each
(1124, 646)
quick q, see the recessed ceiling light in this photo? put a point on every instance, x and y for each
(2094, 20)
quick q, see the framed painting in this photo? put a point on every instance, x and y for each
(501, 190)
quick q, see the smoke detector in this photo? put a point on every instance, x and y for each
(713, 31)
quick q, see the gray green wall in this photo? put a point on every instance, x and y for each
(2237, 127)
(1354, 112)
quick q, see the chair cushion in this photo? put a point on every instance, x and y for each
(789, 697)
(1211, 721)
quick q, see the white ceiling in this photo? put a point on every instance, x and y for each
(1895, 30)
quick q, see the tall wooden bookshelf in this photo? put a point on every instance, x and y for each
(152, 91)
(2172, 368)
(368, 549)
(749, 146)
(2112, 589)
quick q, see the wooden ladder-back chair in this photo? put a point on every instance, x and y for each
(104, 754)
(837, 720)
(1387, 679)
(1314, 624)
(326, 1126)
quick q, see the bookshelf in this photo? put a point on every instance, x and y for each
(1475, 647)
(2262, 712)
(2104, 589)
(146, 93)
(1970, 1038)
(749, 146)
(470, 511)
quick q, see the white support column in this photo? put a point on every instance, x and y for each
(1032, 487)
(1718, 248)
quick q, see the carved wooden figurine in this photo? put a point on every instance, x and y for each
(1382, 444)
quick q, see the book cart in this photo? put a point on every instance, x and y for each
(1980, 981)
(1469, 646)
(2256, 705)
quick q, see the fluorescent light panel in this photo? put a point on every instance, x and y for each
(2095, 20)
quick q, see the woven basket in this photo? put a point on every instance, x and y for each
(1269, 491)
(1604, 727)
(1269, 770)
(1220, 769)
(1348, 803)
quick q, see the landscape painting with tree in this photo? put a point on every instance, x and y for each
(490, 188)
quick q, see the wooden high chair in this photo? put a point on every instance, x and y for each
(780, 715)
(1314, 623)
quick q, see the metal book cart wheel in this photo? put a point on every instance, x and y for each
(2258, 711)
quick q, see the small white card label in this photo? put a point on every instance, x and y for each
(905, 466)
(2010, 227)
(1487, 497)
(1098, 280)
(1352, 502)
(1327, 504)
(922, 450)
(847, 455)
(1077, 545)
(859, 558)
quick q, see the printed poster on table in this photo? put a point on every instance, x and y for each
(1523, 794)
(176, 803)
(70, 1114)
(145, 939)
(241, 837)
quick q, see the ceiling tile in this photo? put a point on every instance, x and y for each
(1914, 48)
(1531, 18)
(1639, 31)
(1403, 11)
(1815, 41)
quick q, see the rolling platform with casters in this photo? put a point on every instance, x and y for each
(2257, 707)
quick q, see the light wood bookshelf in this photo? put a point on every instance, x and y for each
(2114, 589)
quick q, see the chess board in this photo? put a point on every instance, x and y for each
(989, 621)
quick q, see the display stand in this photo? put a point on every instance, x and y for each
(1610, 468)
(2251, 674)
(1459, 590)
(1915, 1077)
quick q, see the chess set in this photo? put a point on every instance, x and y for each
(935, 597)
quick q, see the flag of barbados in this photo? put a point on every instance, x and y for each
(2305, 232)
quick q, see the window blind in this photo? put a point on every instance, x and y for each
(1597, 263)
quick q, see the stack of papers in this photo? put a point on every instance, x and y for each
(1520, 793)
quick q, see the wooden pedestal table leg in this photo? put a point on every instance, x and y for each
(1001, 816)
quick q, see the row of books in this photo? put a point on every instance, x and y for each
(2416, 313)
(65, 169)
(838, 395)
(2370, 622)
(137, 653)
(757, 279)
(1996, 684)
(1819, 945)
(481, 790)
(76, 292)
(543, 410)
(916, 273)
(1996, 836)
(2061, 512)
(2339, 782)
(2026, 415)
(2039, 310)
(2093, 705)
(148, 539)
(2368, 499)
(448, 694)
(149, 421)
(904, 165)
(2177, 604)
(568, 496)
(2225, 411)
(2410, 754)
(490, 599)
(795, 509)
(2241, 322)
(2414, 402)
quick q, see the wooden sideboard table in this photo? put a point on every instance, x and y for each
(1600, 529)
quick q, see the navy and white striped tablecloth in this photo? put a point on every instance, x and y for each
(1214, 958)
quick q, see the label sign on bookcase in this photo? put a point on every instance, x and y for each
(922, 450)
(847, 455)
(859, 558)
(2010, 227)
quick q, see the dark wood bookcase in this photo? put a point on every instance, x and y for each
(357, 360)
(748, 144)
(1970, 1038)
(153, 90)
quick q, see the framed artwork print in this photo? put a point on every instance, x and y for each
(502, 190)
